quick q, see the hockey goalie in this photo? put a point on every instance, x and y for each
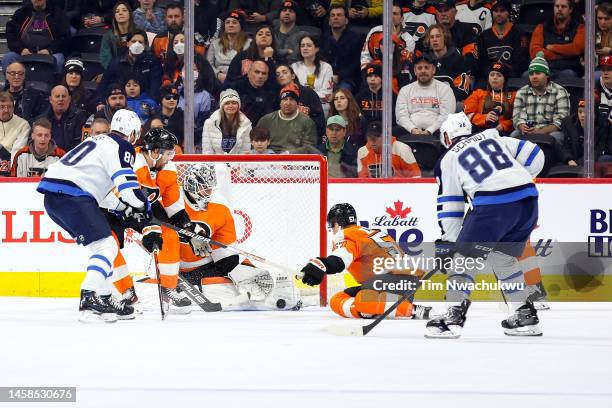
(222, 275)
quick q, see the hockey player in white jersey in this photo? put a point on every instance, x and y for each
(496, 174)
(74, 189)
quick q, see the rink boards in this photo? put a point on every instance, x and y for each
(572, 241)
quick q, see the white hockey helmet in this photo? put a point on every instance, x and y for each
(199, 184)
(127, 123)
(455, 125)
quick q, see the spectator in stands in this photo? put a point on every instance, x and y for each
(137, 61)
(34, 159)
(93, 13)
(115, 100)
(171, 115)
(561, 41)
(175, 59)
(286, 33)
(202, 99)
(150, 18)
(603, 39)
(362, 12)
(341, 156)
(174, 23)
(476, 13)
(572, 150)
(266, 11)
(341, 48)
(541, 105)
(29, 102)
(313, 72)
(66, 120)
(37, 28)
(492, 107)
(227, 131)
(463, 35)
(449, 62)
(260, 140)
(155, 122)
(262, 48)
(290, 130)
(258, 96)
(369, 160)
(344, 105)
(504, 42)
(139, 102)
(80, 98)
(603, 88)
(231, 41)
(100, 126)
(417, 15)
(423, 105)
(13, 133)
(116, 38)
(309, 104)
(369, 99)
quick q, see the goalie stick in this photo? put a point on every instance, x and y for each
(364, 330)
(198, 297)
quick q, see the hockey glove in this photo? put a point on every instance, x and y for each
(444, 253)
(314, 271)
(152, 238)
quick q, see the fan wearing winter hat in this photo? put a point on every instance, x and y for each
(492, 107)
(541, 105)
(80, 97)
(227, 130)
(232, 40)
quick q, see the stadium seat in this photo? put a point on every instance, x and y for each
(39, 68)
(514, 84)
(426, 150)
(575, 87)
(565, 171)
(88, 40)
(361, 30)
(534, 12)
(91, 66)
(548, 145)
(311, 30)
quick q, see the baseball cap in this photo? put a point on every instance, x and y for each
(287, 5)
(114, 89)
(373, 69)
(374, 129)
(336, 120)
(290, 91)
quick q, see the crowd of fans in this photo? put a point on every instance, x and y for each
(302, 77)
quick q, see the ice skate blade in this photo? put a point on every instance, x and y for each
(126, 317)
(179, 310)
(533, 330)
(541, 306)
(89, 316)
(449, 334)
(346, 331)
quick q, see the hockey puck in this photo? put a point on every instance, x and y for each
(280, 303)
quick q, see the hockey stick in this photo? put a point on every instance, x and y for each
(197, 297)
(162, 305)
(364, 330)
(239, 251)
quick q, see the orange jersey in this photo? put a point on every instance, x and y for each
(161, 185)
(358, 247)
(219, 220)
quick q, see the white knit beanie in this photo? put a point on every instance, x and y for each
(229, 95)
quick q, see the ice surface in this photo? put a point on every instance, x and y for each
(286, 359)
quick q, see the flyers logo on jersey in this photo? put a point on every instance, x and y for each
(153, 193)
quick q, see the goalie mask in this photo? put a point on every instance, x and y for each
(199, 185)
(342, 214)
(455, 125)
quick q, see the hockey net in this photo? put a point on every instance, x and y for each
(279, 204)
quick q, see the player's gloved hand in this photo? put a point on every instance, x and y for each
(152, 238)
(314, 272)
(200, 247)
(444, 251)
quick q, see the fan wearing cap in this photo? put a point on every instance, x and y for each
(603, 87)
(290, 130)
(541, 105)
(81, 98)
(561, 40)
(492, 107)
(232, 40)
(115, 99)
(369, 160)
(286, 33)
(369, 98)
(227, 130)
(341, 156)
(572, 150)
(137, 101)
(504, 42)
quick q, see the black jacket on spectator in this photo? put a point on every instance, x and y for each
(103, 8)
(146, 68)
(70, 127)
(254, 102)
(205, 19)
(343, 55)
(452, 69)
(511, 49)
(573, 141)
(30, 103)
(58, 26)
(466, 41)
(348, 158)
(310, 105)
(371, 104)
(174, 124)
(234, 71)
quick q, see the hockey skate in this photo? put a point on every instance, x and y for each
(448, 326)
(179, 303)
(94, 308)
(524, 322)
(120, 307)
(420, 312)
(131, 299)
(537, 295)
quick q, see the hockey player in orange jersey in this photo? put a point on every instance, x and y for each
(221, 274)
(354, 249)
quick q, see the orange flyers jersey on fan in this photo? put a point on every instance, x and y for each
(159, 185)
(359, 246)
(219, 220)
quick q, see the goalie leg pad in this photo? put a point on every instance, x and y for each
(257, 283)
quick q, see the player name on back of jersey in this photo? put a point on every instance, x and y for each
(468, 141)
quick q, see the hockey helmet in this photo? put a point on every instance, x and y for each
(342, 214)
(455, 125)
(159, 138)
(127, 123)
(199, 184)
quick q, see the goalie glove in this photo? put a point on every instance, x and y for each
(256, 282)
(199, 246)
(152, 238)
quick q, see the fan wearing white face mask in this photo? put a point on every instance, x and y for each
(137, 61)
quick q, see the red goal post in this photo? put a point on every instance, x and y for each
(279, 203)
